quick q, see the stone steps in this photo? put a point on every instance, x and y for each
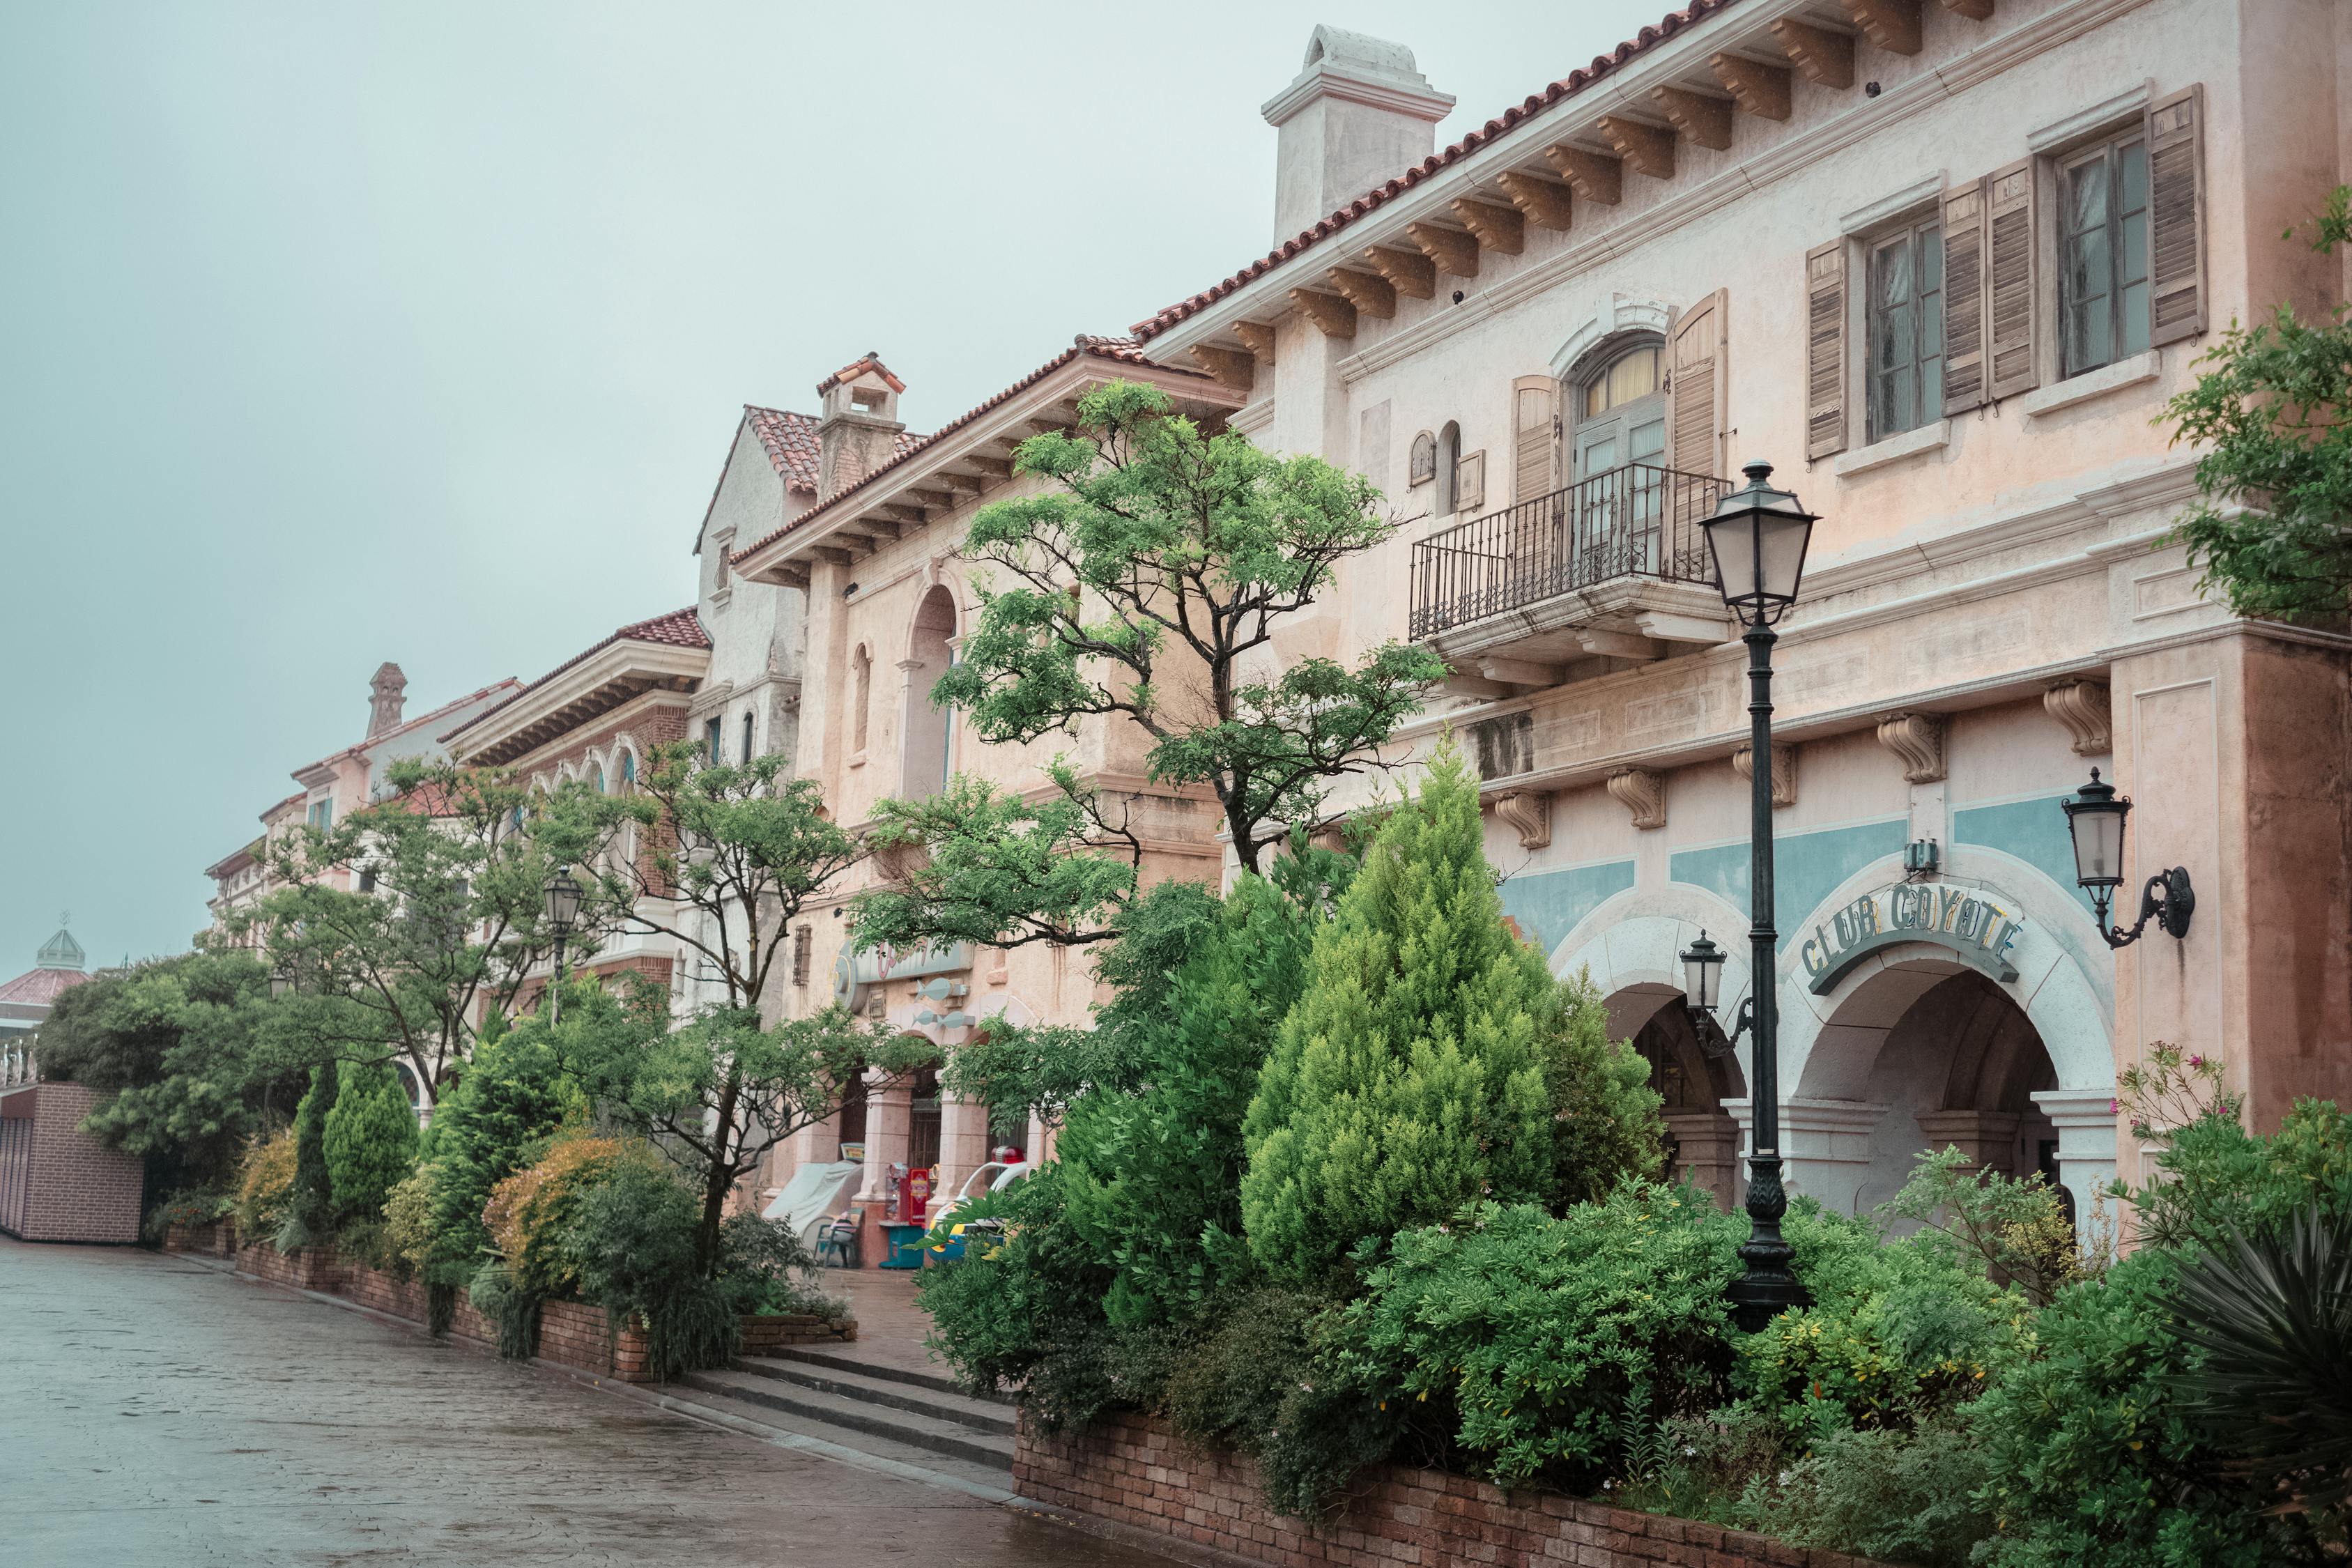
(947, 1427)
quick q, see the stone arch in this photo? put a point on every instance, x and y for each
(1913, 1046)
(927, 734)
(1621, 320)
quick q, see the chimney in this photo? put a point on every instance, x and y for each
(385, 699)
(1359, 115)
(857, 427)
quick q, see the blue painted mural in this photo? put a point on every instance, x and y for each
(1549, 904)
(2032, 830)
(1806, 866)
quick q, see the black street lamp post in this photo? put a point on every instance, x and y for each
(563, 913)
(1757, 537)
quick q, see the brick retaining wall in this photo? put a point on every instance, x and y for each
(57, 1182)
(573, 1333)
(1132, 1470)
(767, 1333)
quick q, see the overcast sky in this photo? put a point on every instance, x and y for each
(333, 333)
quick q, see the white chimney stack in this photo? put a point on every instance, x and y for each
(1359, 115)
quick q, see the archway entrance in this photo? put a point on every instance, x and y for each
(1924, 1054)
(1702, 1140)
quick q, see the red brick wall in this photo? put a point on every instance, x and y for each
(61, 1185)
(768, 1332)
(1131, 1469)
(572, 1333)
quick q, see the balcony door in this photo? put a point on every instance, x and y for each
(1620, 447)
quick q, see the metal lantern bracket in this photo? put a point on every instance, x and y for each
(2167, 898)
(1713, 1039)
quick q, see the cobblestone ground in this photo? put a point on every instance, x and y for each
(156, 1411)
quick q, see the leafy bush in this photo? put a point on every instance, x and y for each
(510, 1309)
(265, 1185)
(309, 1217)
(1898, 1331)
(530, 1213)
(370, 1139)
(1267, 1381)
(192, 1207)
(1417, 1070)
(2222, 1181)
(408, 1223)
(632, 1245)
(1903, 1496)
(1554, 1340)
(2013, 1232)
(765, 1267)
(513, 1098)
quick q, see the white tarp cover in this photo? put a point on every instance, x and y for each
(814, 1194)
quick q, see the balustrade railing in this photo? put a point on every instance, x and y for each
(1630, 521)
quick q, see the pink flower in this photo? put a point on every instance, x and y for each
(2197, 1061)
(2113, 1106)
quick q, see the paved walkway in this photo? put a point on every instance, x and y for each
(156, 1411)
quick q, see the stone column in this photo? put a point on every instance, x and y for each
(1988, 1138)
(1825, 1142)
(889, 1116)
(1707, 1144)
(964, 1143)
(2085, 1120)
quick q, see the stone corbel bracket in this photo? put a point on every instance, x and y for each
(1918, 739)
(1784, 772)
(2083, 706)
(1528, 812)
(1642, 792)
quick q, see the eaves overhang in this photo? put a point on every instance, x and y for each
(578, 694)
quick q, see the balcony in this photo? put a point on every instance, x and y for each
(1575, 582)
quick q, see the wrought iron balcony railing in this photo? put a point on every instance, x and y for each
(1630, 521)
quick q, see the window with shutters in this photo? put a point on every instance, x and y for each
(1904, 322)
(1534, 426)
(1423, 468)
(746, 747)
(803, 943)
(861, 695)
(713, 732)
(1449, 462)
(2103, 255)
(1622, 411)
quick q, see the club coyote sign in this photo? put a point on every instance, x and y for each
(1971, 922)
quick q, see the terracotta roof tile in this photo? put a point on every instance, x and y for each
(868, 361)
(40, 987)
(680, 628)
(791, 442)
(1121, 350)
(1485, 135)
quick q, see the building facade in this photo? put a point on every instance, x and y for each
(1942, 266)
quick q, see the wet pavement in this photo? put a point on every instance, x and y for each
(153, 1410)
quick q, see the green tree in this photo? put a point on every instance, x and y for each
(313, 1215)
(456, 864)
(371, 1139)
(2273, 528)
(191, 1058)
(507, 1101)
(1150, 582)
(1418, 1070)
(725, 860)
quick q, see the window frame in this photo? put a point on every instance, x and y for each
(2108, 150)
(1909, 231)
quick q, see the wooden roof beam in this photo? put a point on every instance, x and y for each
(1450, 250)
(1499, 228)
(911, 516)
(989, 467)
(935, 501)
(1258, 338)
(1647, 149)
(1705, 119)
(1408, 272)
(1236, 368)
(960, 484)
(885, 530)
(1974, 10)
(1761, 89)
(1594, 176)
(1372, 295)
(1333, 316)
(1825, 57)
(826, 553)
(1892, 25)
(1545, 202)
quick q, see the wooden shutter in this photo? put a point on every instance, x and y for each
(1532, 400)
(2009, 293)
(2176, 216)
(1825, 353)
(1470, 482)
(1694, 389)
(1964, 291)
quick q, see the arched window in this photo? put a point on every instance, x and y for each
(1620, 412)
(628, 772)
(1449, 461)
(596, 776)
(747, 740)
(925, 735)
(861, 695)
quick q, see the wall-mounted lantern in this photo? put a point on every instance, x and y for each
(2094, 817)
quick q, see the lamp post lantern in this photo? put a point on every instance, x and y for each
(563, 913)
(1757, 537)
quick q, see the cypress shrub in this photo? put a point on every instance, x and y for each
(369, 1139)
(310, 1215)
(1423, 1064)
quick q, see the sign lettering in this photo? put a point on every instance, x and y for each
(1971, 922)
